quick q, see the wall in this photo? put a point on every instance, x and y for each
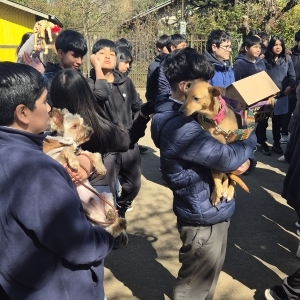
(13, 24)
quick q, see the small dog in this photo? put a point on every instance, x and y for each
(220, 121)
(71, 132)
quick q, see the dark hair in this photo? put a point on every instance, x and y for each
(174, 40)
(70, 90)
(125, 43)
(263, 35)
(216, 37)
(123, 54)
(269, 55)
(19, 84)
(71, 40)
(297, 36)
(186, 64)
(251, 41)
(24, 38)
(162, 41)
(104, 43)
(253, 32)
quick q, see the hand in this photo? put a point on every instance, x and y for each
(243, 168)
(287, 90)
(81, 173)
(33, 62)
(148, 108)
(95, 61)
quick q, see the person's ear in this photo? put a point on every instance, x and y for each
(21, 114)
(60, 53)
(246, 48)
(214, 47)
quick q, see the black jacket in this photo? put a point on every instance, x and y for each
(291, 187)
(152, 79)
(123, 103)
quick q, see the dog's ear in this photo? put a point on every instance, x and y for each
(187, 86)
(56, 120)
(214, 91)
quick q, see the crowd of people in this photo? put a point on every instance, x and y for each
(62, 252)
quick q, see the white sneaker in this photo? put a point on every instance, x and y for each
(297, 224)
(281, 158)
(298, 231)
(284, 139)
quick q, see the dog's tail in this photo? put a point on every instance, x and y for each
(239, 181)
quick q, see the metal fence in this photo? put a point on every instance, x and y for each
(144, 53)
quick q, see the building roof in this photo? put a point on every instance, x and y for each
(150, 10)
(51, 18)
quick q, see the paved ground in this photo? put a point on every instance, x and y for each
(261, 246)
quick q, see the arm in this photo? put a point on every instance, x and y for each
(152, 84)
(59, 222)
(238, 73)
(136, 102)
(290, 147)
(163, 84)
(291, 76)
(198, 146)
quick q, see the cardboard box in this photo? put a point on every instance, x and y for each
(246, 92)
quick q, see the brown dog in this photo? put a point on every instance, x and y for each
(64, 147)
(220, 121)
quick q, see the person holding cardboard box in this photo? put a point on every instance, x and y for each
(279, 67)
(248, 63)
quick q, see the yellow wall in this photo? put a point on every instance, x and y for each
(13, 24)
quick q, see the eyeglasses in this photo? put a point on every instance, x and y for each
(226, 48)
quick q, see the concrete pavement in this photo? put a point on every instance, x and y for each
(261, 246)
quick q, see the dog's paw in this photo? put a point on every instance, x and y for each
(230, 192)
(122, 223)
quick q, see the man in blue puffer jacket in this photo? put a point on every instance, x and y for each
(188, 154)
(218, 49)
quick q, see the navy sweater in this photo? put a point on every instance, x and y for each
(48, 248)
(243, 67)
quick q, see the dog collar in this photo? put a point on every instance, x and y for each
(221, 114)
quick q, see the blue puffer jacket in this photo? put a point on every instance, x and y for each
(188, 154)
(224, 75)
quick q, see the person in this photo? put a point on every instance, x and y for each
(50, 251)
(124, 43)
(249, 63)
(124, 60)
(246, 64)
(218, 49)
(289, 289)
(175, 41)
(122, 106)
(24, 38)
(187, 155)
(279, 67)
(264, 43)
(295, 56)
(124, 65)
(153, 68)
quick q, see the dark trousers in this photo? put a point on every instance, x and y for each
(202, 256)
(261, 131)
(287, 117)
(291, 285)
(127, 165)
(276, 127)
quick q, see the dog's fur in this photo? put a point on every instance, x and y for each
(71, 133)
(203, 98)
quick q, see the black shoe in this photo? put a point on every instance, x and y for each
(143, 149)
(277, 149)
(276, 293)
(265, 149)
